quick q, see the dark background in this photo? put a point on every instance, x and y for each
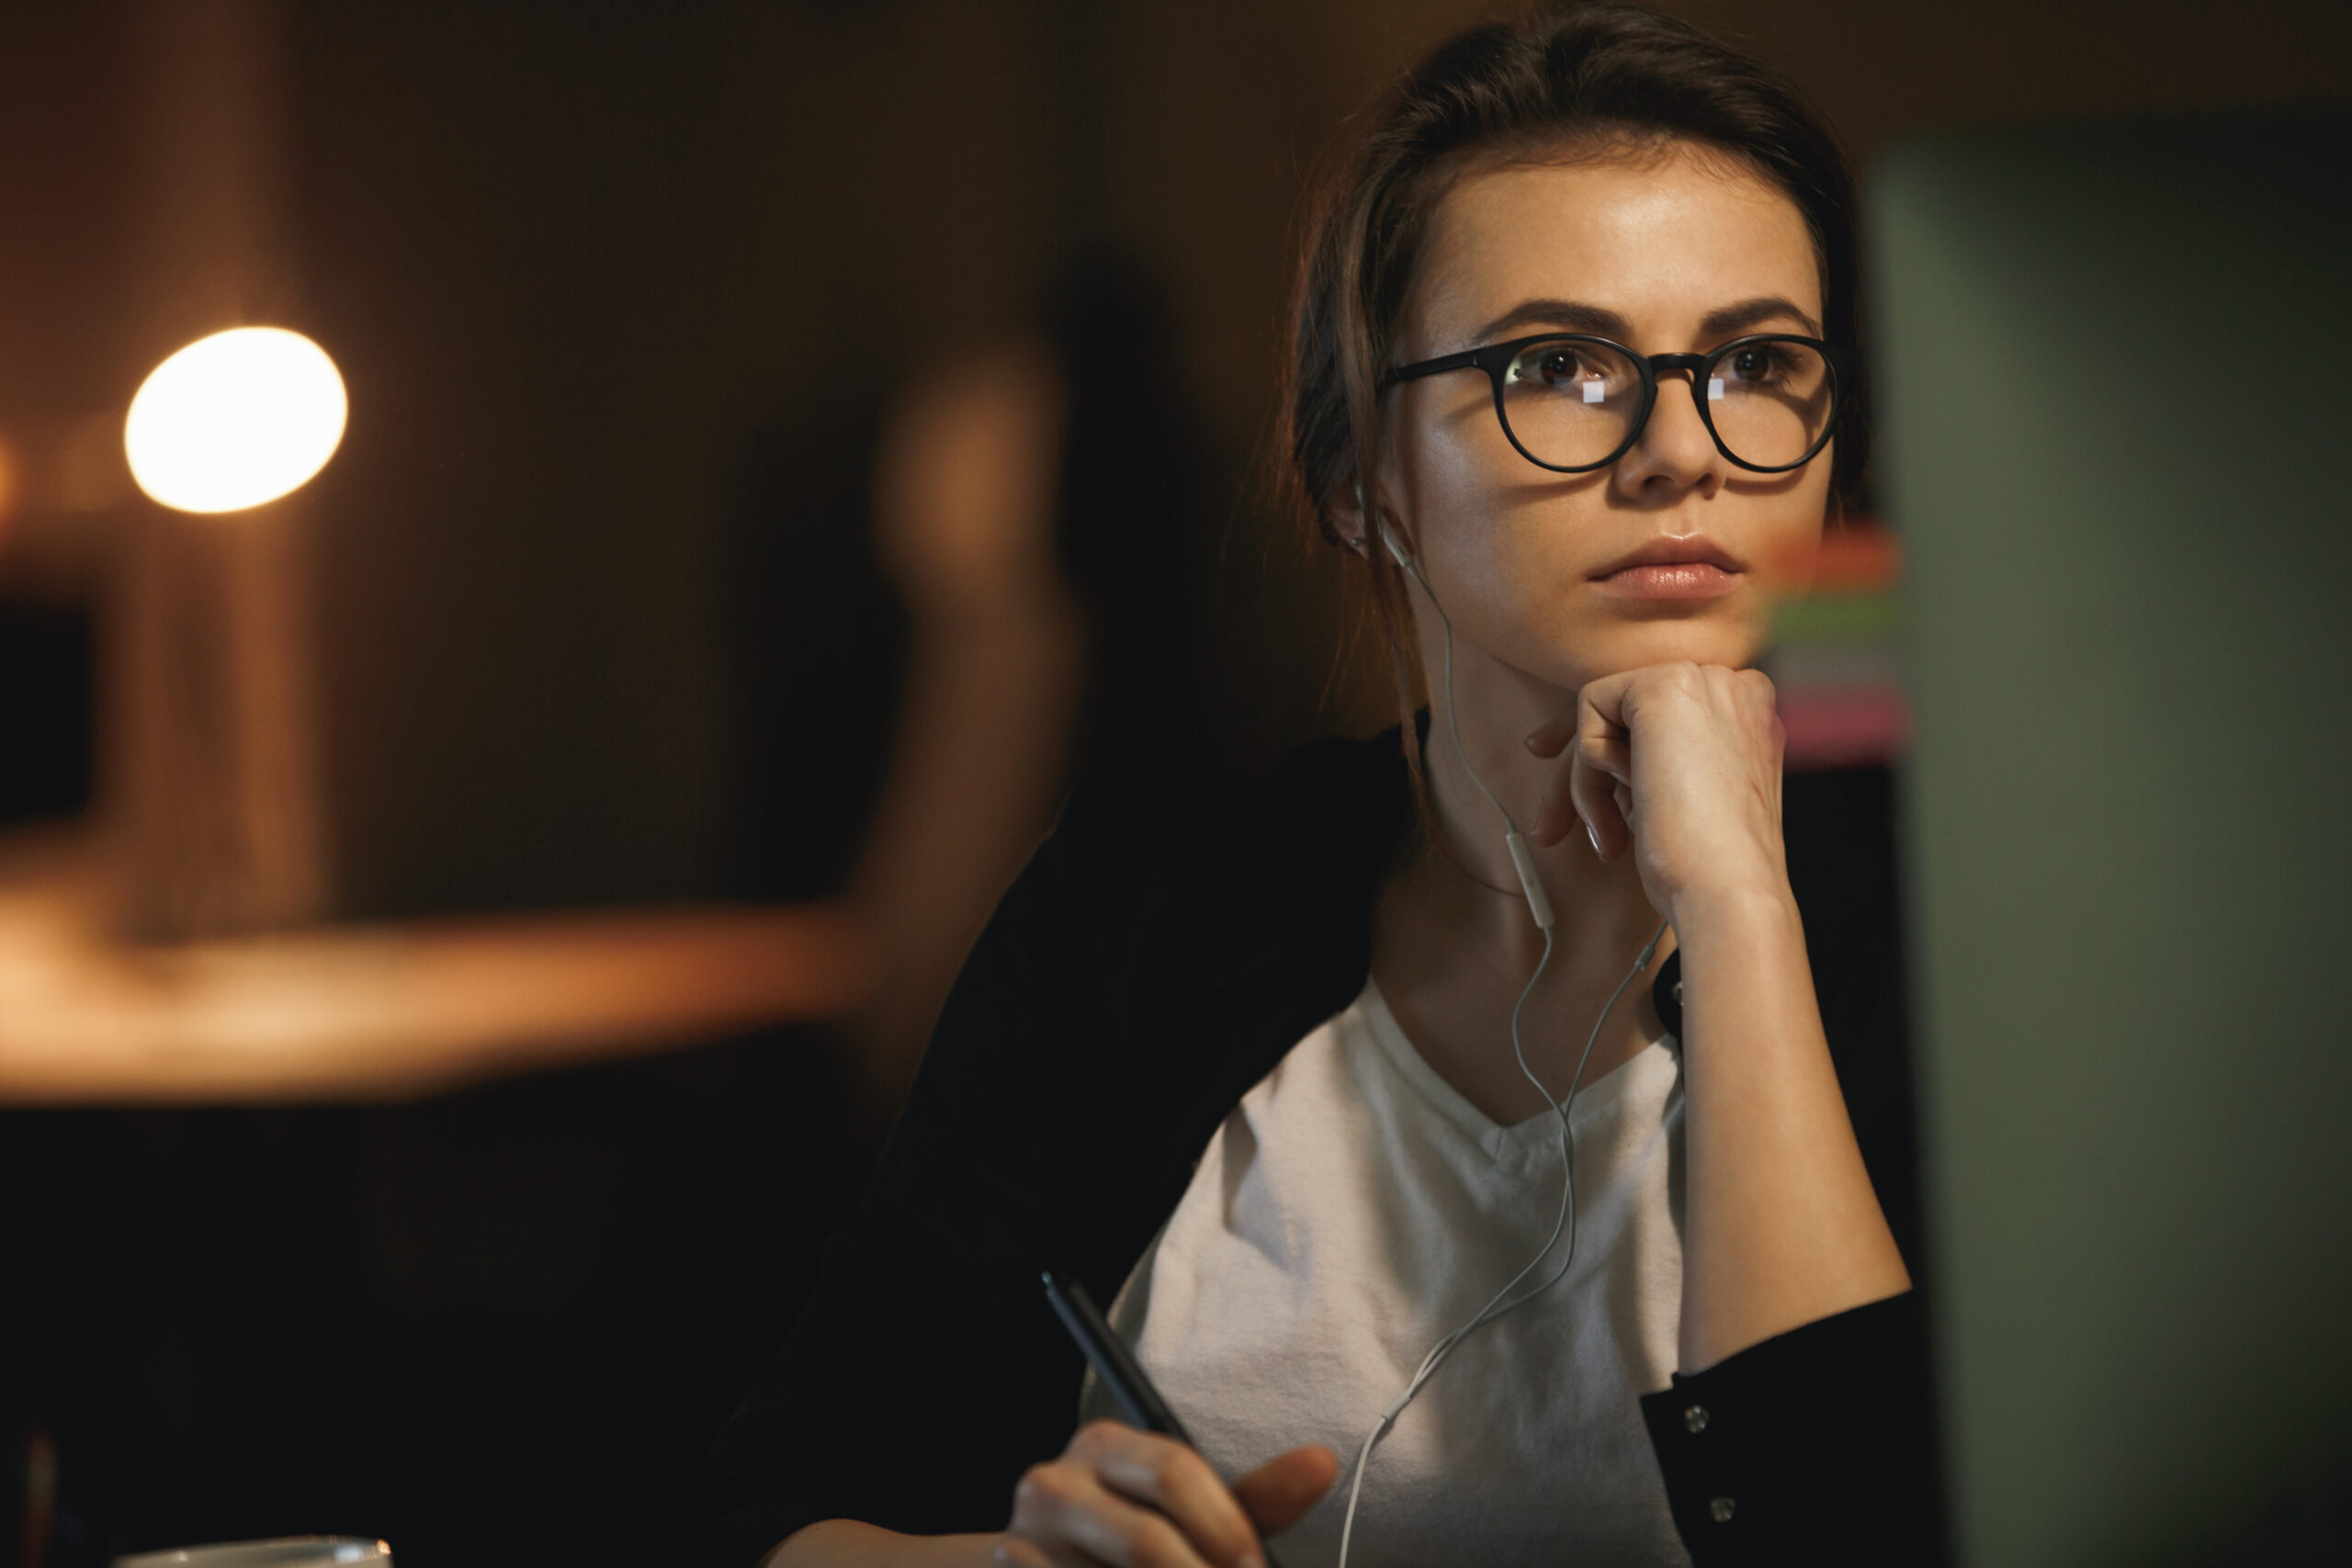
(619, 290)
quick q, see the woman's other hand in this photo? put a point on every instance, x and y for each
(1133, 1499)
(1681, 763)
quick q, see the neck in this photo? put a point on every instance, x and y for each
(1599, 906)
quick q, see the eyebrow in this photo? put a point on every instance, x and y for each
(1754, 313)
(1571, 315)
(1567, 314)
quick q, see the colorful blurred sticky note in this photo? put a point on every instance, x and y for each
(1835, 656)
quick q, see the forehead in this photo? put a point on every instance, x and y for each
(1661, 239)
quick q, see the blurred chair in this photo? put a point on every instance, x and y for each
(966, 501)
(1033, 516)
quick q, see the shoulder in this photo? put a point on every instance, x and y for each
(1168, 942)
(1156, 959)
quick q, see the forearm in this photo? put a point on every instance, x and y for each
(1781, 1225)
(845, 1543)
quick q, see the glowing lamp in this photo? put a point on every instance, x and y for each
(235, 419)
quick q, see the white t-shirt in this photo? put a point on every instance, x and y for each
(1352, 1209)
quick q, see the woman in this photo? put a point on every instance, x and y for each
(1288, 1072)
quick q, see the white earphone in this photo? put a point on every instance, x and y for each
(1539, 905)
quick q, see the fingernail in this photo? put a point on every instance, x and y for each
(1530, 741)
(1593, 833)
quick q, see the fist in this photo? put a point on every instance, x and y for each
(1680, 763)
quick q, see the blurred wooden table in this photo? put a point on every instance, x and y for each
(379, 1012)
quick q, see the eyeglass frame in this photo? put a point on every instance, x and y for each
(1496, 358)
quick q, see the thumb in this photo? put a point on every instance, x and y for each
(1276, 1493)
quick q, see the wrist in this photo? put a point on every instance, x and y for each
(1755, 908)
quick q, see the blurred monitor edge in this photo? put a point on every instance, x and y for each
(2112, 362)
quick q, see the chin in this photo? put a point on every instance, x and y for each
(1695, 642)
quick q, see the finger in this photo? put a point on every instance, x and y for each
(1279, 1491)
(1550, 740)
(1064, 1509)
(1604, 760)
(1011, 1551)
(1122, 1535)
(1177, 1481)
(1758, 688)
(1607, 695)
(1045, 1501)
(1592, 795)
(1559, 815)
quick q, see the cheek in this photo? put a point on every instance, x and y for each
(1487, 518)
(1449, 470)
(1496, 555)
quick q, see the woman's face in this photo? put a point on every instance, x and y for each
(1669, 252)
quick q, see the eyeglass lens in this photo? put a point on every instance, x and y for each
(1573, 405)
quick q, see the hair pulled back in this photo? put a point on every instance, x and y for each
(1562, 82)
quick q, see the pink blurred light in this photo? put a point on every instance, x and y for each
(1844, 727)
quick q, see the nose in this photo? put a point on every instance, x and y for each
(1674, 454)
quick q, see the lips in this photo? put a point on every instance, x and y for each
(1691, 567)
(1683, 551)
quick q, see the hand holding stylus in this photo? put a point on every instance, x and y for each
(1137, 1499)
(1138, 1495)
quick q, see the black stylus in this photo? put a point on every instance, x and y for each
(1117, 1365)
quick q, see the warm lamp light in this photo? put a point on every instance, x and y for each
(235, 419)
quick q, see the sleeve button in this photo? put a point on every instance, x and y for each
(1720, 1509)
(1694, 1419)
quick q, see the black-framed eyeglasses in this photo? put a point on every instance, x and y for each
(1572, 403)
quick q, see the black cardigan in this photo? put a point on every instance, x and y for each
(1143, 973)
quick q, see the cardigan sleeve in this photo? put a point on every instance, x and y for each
(1815, 1447)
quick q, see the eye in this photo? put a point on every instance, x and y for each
(1581, 372)
(1757, 364)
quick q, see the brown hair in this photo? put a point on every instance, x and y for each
(1605, 77)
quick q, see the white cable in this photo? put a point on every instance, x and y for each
(1540, 907)
(1498, 1305)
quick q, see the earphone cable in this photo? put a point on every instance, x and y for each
(1503, 1301)
(1498, 1305)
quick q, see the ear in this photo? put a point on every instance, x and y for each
(1364, 526)
(1346, 510)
